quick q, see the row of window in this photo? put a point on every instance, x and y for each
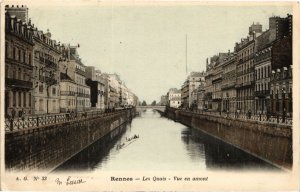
(244, 93)
(42, 88)
(17, 73)
(263, 72)
(245, 66)
(20, 99)
(42, 55)
(80, 80)
(18, 54)
(245, 53)
(245, 78)
(262, 87)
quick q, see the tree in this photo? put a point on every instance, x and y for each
(153, 103)
(144, 103)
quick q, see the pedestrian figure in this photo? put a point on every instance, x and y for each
(23, 114)
(283, 115)
(13, 113)
(249, 114)
(68, 114)
(20, 113)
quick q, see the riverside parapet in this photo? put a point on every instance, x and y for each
(45, 148)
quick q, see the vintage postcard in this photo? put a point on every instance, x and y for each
(149, 95)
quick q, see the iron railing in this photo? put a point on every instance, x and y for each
(276, 119)
(29, 122)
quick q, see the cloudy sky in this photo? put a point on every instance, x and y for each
(145, 43)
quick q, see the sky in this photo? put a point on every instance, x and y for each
(146, 44)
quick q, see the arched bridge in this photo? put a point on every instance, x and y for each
(158, 107)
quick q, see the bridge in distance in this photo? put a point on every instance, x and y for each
(157, 107)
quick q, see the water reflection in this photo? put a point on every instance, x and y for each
(218, 154)
(162, 144)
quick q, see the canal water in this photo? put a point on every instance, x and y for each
(154, 143)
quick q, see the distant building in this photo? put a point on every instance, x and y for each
(191, 83)
(163, 100)
(174, 98)
(201, 105)
(97, 88)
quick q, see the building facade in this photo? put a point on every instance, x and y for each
(47, 54)
(228, 83)
(191, 83)
(278, 29)
(282, 69)
(245, 82)
(174, 98)
(72, 66)
(18, 64)
(97, 88)
(68, 92)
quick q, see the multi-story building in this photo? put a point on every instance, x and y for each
(185, 95)
(68, 93)
(245, 69)
(278, 28)
(163, 100)
(216, 83)
(72, 66)
(208, 82)
(97, 88)
(124, 91)
(18, 63)
(132, 100)
(174, 98)
(282, 77)
(47, 54)
(201, 97)
(228, 83)
(114, 91)
(213, 82)
(191, 83)
(282, 69)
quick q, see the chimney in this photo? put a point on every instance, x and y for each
(20, 12)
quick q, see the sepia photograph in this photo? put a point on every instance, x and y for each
(149, 95)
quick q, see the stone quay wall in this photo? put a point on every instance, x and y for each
(268, 141)
(47, 147)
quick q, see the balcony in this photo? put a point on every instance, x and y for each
(83, 95)
(48, 80)
(51, 64)
(262, 93)
(67, 93)
(248, 84)
(228, 86)
(79, 71)
(18, 83)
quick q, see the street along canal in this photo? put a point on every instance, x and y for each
(154, 143)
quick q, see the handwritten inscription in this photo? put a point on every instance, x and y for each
(70, 181)
(127, 142)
